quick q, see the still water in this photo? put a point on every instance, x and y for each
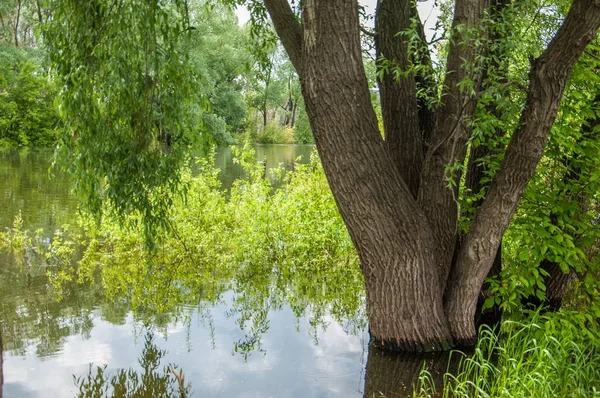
(48, 342)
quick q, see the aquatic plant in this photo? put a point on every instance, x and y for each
(552, 355)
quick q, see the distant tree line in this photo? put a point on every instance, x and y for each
(246, 96)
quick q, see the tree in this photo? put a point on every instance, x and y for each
(392, 193)
(27, 113)
(422, 277)
(20, 21)
(219, 55)
(267, 88)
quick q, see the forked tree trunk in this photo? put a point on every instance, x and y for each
(388, 229)
(548, 78)
(403, 227)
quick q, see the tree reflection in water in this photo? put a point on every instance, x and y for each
(392, 374)
(151, 382)
(314, 275)
(256, 288)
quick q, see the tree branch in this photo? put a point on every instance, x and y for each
(548, 79)
(288, 29)
(367, 32)
(398, 91)
(449, 141)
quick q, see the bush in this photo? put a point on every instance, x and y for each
(27, 113)
(273, 133)
(302, 131)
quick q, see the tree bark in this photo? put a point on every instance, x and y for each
(294, 111)
(39, 11)
(386, 226)
(476, 168)
(398, 91)
(449, 142)
(17, 21)
(557, 283)
(548, 78)
(264, 104)
(406, 245)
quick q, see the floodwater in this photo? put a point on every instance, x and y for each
(49, 342)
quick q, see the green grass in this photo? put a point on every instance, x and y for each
(556, 355)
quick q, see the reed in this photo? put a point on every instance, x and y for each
(555, 355)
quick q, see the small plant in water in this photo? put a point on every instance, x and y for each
(554, 355)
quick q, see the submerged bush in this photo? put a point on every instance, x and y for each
(271, 246)
(273, 133)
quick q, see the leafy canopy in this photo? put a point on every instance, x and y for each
(125, 95)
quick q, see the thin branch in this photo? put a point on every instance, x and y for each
(368, 32)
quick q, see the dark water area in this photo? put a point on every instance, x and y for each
(47, 342)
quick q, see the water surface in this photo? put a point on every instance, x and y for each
(47, 342)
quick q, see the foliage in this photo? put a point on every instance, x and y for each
(40, 302)
(20, 22)
(131, 117)
(291, 240)
(273, 133)
(302, 131)
(132, 384)
(556, 355)
(554, 223)
(220, 57)
(126, 98)
(273, 247)
(27, 114)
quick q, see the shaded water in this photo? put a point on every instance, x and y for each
(47, 342)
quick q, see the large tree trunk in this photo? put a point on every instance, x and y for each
(389, 230)
(406, 242)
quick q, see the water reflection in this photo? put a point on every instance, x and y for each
(272, 155)
(25, 187)
(257, 336)
(151, 381)
(292, 366)
(394, 375)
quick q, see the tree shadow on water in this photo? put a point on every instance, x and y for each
(151, 382)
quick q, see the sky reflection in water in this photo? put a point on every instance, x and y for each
(293, 365)
(295, 361)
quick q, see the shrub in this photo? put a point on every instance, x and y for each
(273, 133)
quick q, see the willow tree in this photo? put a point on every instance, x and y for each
(392, 191)
(124, 87)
